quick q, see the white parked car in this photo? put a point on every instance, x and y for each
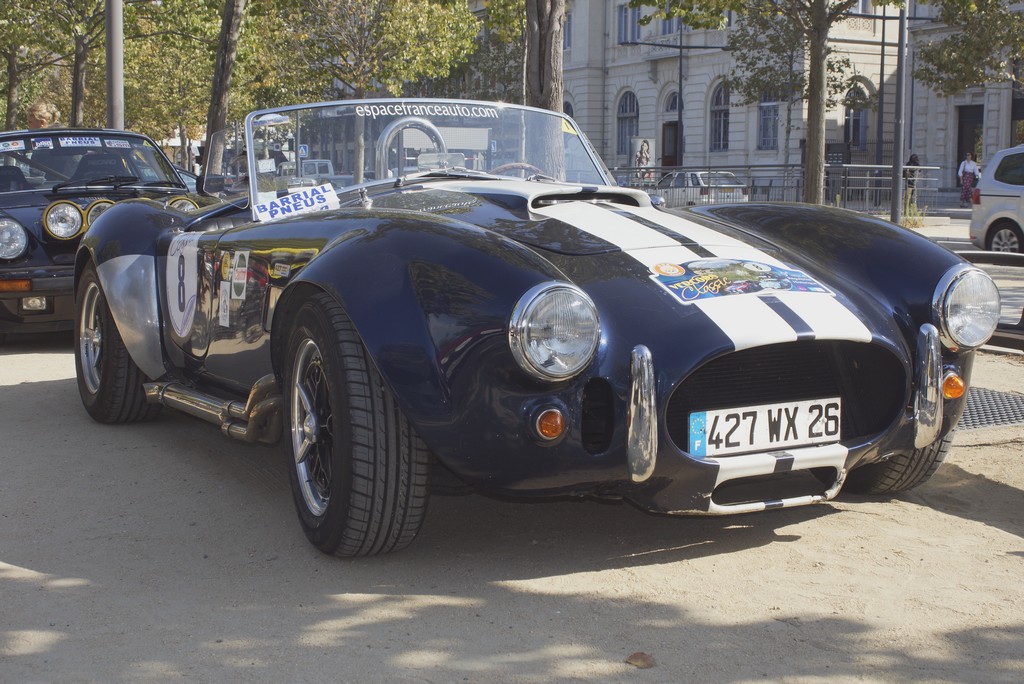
(686, 188)
(998, 203)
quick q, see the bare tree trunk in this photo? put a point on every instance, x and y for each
(227, 48)
(78, 81)
(814, 161)
(13, 81)
(544, 20)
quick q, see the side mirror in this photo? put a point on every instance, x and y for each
(210, 184)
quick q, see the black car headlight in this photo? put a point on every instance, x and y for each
(13, 239)
(63, 220)
(967, 307)
(554, 331)
(93, 211)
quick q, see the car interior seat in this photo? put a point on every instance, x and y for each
(100, 164)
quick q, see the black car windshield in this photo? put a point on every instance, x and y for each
(69, 159)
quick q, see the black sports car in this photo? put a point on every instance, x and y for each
(54, 182)
(468, 298)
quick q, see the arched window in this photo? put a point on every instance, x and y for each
(720, 118)
(628, 121)
(672, 103)
(567, 108)
(855, 125)
(768, 122)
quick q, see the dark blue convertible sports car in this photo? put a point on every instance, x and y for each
(465, 296)
(54, 182)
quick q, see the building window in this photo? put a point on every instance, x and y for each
(855, 125)
(567, 32)
(672, 104)
(567, 109)
(670, 26)
(768, 122)
(628, 121)
(720, 119)
(628, 24)
(865, 7)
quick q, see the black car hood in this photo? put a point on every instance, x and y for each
(556, 217)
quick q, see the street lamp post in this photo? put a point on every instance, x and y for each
(115, 63)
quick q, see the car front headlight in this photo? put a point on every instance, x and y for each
(63, 220)
(13, 239)
(554, 331)
(182, 204)
(93, 211)
(967, 305)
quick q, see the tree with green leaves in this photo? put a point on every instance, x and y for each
(360, 46)
(27, 48)
(985, 46)
(82, 24)
(768, 52)
(813, 20)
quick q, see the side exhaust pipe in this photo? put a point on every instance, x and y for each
(259, 419)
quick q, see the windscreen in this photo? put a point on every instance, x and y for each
(40, 160)
(350, 143)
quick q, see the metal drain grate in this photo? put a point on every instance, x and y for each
(986, 408)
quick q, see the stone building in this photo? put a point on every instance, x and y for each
(620, 92)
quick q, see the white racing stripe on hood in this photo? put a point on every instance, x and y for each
(745, 318)
(826, 315)
(607, 225)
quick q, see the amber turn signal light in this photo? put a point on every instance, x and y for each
(953, 386)
(15, 285)
(550, 424)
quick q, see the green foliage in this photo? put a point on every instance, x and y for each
(986, 43)
(697, 14)
(371, 45)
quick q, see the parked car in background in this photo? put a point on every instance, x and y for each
(997, 207)
(54, 183)
(189, 178)
(689, 188)
(505, 318)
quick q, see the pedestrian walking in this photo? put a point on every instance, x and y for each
(968, 173)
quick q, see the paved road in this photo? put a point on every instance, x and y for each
(164, 552)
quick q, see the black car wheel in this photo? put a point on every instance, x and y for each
(109, 382)
(360, 472)
(901, 472)
(1006, 237)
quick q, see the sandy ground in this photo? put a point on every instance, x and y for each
(164, 552)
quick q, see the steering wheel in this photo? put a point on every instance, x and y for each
(517, 166)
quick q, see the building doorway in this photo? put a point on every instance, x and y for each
(668, 144)
(968, 135)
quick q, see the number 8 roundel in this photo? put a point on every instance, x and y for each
(181, 278)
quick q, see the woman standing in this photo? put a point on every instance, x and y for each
(968, 174)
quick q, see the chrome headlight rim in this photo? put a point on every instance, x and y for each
(179, 201)
(60, 204)
(91, 213)
(10, 253)
(950, 281)
(521, 318)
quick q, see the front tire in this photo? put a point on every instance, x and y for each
(109, 382)
(901, 472)
(359, 475)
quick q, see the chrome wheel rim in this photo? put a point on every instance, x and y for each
(1005, 240)
(90, 337)
(312, 428)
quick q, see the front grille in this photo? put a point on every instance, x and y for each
(869, 378)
